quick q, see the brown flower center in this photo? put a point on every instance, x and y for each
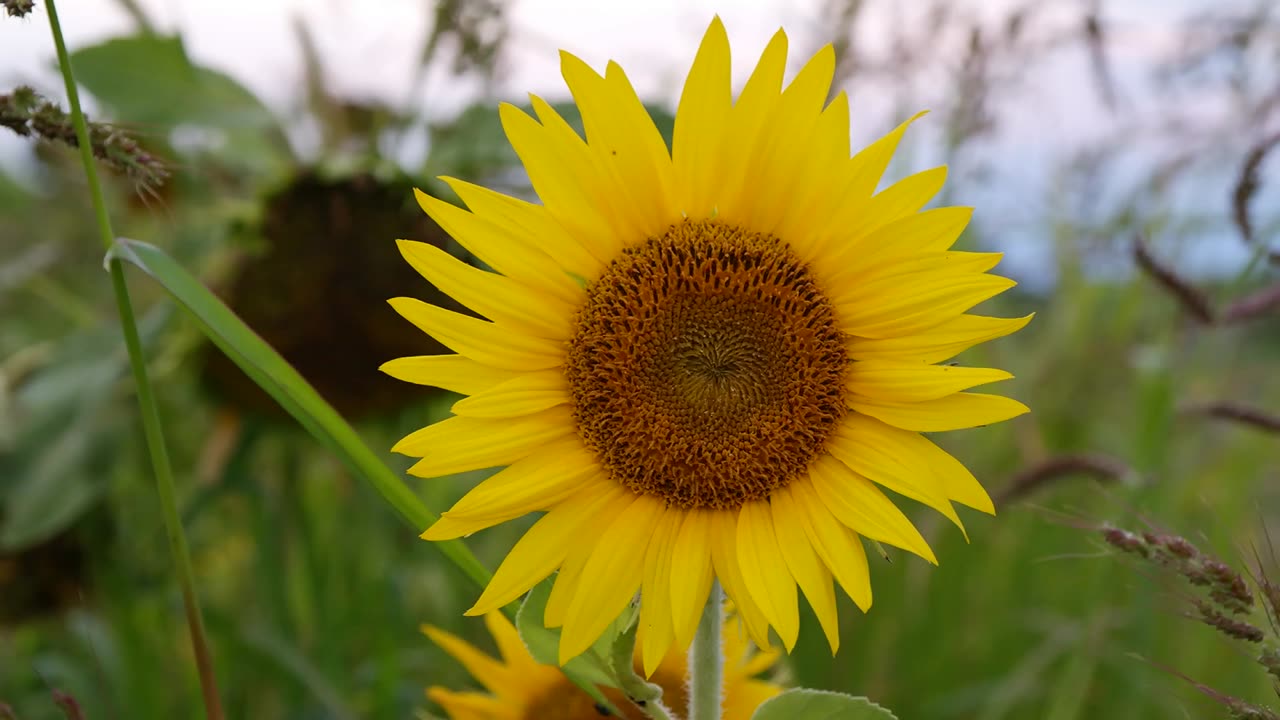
(706, 367)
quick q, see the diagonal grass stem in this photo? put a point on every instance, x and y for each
(151, 425)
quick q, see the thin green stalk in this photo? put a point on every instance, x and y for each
(146, 399)
(645, 695)
(706, 660)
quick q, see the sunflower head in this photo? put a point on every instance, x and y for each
(519, 688)
(706, 361)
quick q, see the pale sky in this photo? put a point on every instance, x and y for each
(372, 53)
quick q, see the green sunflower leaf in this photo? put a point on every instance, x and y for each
(819, 705)
(271, 372)
(544, 643)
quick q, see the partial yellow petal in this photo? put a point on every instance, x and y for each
(655, 633)
(624, 138)
(838, 546)
(937, 343)
(745, 140)
(613, 570)
(470, 705)
(489, 672)
(905, 304)
(854, 501)
(924, 234)
(566, 177)
(810, 574)
(691, 573)
(514, 237)
(784, 148)
(543, 548)
(724, 557)
(812, 196)
(916, 460)
(510, 646)
(450, 372)
(480, 340)
(521, 395)
(743, 698)
(765, 573)
(899, 381)
(953, 412)
(566, 584)
(549, 474)
(458, 444)
(496, 297)
(855, 444)
(701, 118)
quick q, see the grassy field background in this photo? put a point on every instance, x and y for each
(313, 590)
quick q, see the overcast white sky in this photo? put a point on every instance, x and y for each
(369, 48)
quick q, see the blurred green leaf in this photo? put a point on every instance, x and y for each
(150, 81)
(270, 371)
(819, 705)
(67, 431)
(588, 670)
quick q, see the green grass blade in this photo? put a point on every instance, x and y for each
(271, 372)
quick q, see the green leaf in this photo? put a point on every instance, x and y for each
(149, 81)
(544, 642)
(819, 705)
(588, 671)
(270, 371)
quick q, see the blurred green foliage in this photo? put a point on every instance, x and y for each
(313, 590)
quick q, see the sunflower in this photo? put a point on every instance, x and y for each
(519, 687)
(705, 363)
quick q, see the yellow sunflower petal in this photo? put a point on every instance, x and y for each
(493, 296)
(903, 305)
(918, 460)
(544, 546)
(741, 700)
(489, 672)
(724, 557)
(860, 505)
(620, 130)
(480, 340)
(914, 381)
(548, 475)
(513, 650)
(745, 139)
(566, 583)
(566, 177)
(470, 705)
(765, 573)
(620, 550)
(938, 343)
(838, 546)
(926, 234)
(655, 594)
(700, 119)
(813, 577)
(521, 395)
(451, 372)
(691, 573)
(953, 412)
(514, 237)
(459, 444)
(812, 197)
(784, 149)
(855, 447)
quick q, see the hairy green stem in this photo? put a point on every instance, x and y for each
(706, 660)
(151, 425)
(643, 694)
